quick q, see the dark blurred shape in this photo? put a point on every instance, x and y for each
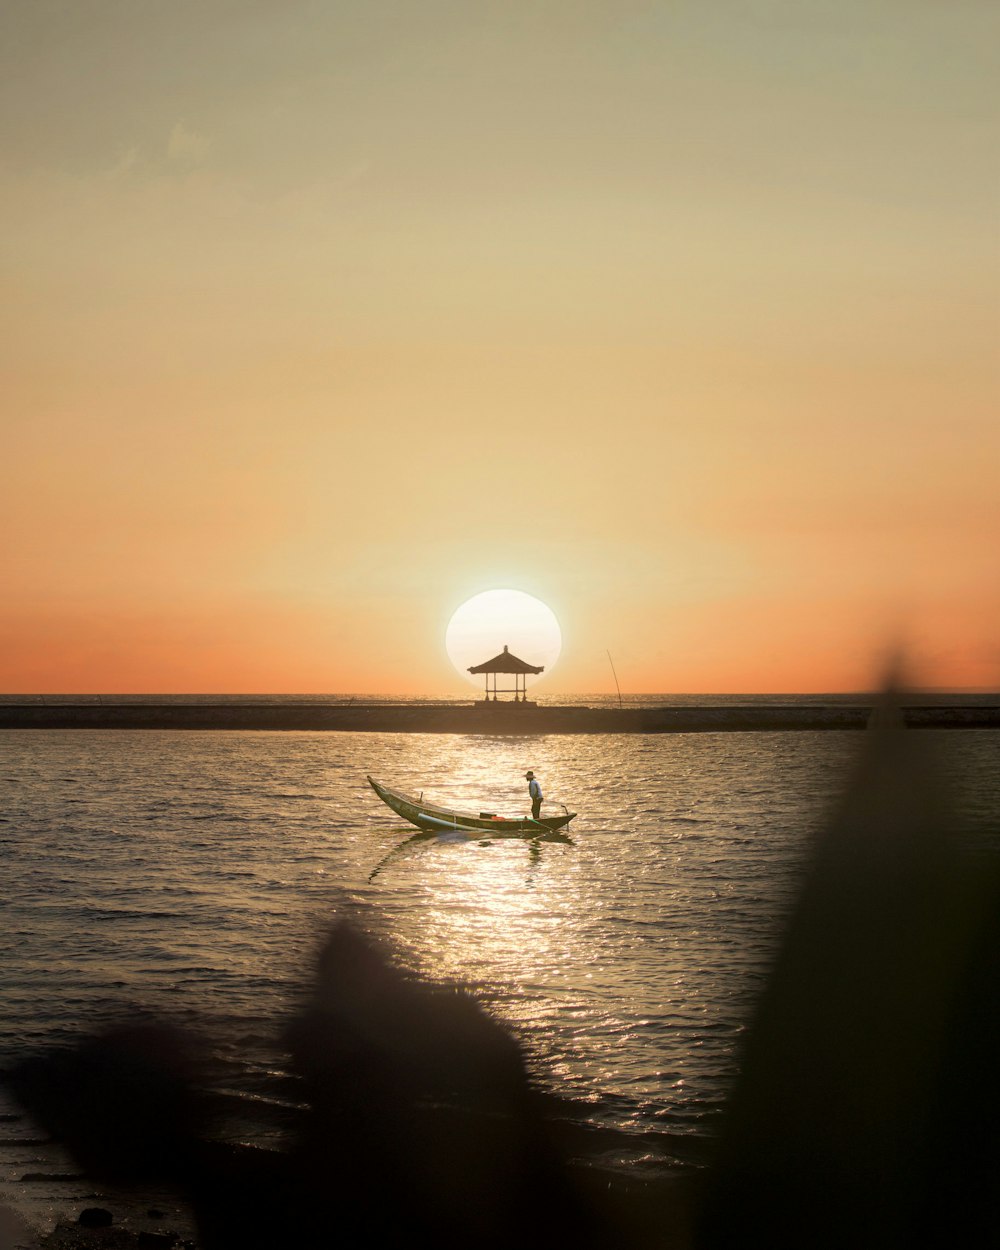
(122, 1101)
(867, 1109)
(156, 1241)
(95, 1217)
(422, 1128)
(436, 1122)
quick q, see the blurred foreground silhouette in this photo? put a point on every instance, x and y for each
(865, 1114)
(422, 1124)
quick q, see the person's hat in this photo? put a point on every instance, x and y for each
(528, 775)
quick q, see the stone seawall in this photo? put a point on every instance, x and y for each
(480, 718)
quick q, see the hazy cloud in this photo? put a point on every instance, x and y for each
(187, 146)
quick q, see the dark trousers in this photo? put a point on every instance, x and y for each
(536, 808)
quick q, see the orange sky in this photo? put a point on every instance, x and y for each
(680, 317)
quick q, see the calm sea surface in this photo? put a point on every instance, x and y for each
(191, 874)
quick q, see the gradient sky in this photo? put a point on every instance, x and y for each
(320, 318)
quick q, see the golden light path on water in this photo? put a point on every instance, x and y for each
(602, 955)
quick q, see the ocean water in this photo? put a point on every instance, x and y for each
(191, 875)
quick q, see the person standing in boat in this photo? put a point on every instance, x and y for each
(535, 793)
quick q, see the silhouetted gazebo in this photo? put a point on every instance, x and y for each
(507, 663)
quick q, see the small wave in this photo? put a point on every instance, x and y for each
(222, 818)
(123, 913)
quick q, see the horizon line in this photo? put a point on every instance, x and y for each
(464, 698)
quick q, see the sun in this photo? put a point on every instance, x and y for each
(486, 623)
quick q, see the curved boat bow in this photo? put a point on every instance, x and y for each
(435, 819)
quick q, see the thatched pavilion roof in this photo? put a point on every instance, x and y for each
(507, 663)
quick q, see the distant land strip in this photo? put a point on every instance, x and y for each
(482, 718)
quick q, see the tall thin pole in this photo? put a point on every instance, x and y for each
(615, 675)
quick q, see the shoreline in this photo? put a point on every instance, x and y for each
(490, 719)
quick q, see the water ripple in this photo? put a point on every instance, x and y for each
(192, 874)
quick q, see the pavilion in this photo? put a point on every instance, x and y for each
(507, 663)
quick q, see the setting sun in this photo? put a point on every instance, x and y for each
(495, 619)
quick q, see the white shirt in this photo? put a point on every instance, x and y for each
(534, 789)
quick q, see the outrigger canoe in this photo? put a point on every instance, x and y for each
(434, 819)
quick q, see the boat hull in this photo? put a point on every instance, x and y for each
(434, 819)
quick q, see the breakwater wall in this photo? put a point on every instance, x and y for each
(482, 718)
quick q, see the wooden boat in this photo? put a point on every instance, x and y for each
(434, 819)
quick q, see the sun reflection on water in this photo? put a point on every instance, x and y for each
(625, 962)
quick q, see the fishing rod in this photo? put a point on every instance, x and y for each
(615, 675)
